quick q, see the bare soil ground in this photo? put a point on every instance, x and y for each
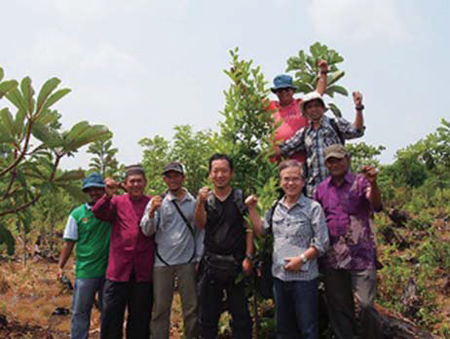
(30, 294)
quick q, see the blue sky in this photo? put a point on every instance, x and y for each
(144, 66)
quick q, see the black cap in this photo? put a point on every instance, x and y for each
(174, 166)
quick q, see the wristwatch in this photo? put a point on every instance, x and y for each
(303, 258)
(249, 257)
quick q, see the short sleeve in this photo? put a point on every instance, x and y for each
(71, 230)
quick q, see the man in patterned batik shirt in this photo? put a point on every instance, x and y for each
(349, 266)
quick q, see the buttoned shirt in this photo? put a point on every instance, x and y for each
(349, 215)
(295, 229)
(176, 243)
(314, 142)
(129, 250)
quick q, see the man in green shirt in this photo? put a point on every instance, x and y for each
(92, 238)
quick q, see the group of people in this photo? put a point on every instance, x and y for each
(134, 250)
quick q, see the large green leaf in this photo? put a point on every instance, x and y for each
(19, 123)
(335, 110)
(48, 117)
(7, 121)
(75, 192)
(40, 131)
(334, 77)
(45, 91)
(6, 131)
(54, 98)
(16, 98)
(82, 134)
(69, 176)
(28, 93)
(7, 86)
(7, 238)
(337, 89)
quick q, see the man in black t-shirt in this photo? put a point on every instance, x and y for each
(228, 251)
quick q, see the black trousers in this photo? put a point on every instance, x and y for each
(211, 306)
(137, 297)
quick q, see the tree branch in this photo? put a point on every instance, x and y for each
(22, 153)
(20, 208)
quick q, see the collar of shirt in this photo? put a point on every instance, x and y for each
(300, 201)
(349, 177)
(187, 196)
(324, 123)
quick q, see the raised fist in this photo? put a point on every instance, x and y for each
(371, 173)
(323, 66)
(251, 201)
(156, 203)
(357, 98)
(111, 187)
(203, 194)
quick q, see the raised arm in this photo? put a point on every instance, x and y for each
(255, 220)
(104, 208)
(359, 107)
(200, 212)
(323, 71)
(151, 217)
(373, 193)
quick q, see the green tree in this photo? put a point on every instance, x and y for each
(155, 157)
(363, 154)
(103, 158)
(247, 131)
(33, 145)
(190, 148)
(306, 70)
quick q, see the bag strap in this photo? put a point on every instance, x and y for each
(188, 225)
(238, 198)
(335, 127)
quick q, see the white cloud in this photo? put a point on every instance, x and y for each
(357, 19)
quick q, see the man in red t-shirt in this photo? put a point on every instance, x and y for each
(288, 108)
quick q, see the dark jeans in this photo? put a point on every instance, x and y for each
(138, 298)
(339, 288)
(296, 305)
(211, 306)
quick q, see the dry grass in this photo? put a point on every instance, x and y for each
(29, 295)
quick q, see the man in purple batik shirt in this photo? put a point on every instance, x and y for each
(349, 266)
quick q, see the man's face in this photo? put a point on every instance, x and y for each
(221, 173)
(94, 193)
(285, 95)
(134, 185)
(174, 180)
(314, 110)
(337, 166)
(291, 181)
